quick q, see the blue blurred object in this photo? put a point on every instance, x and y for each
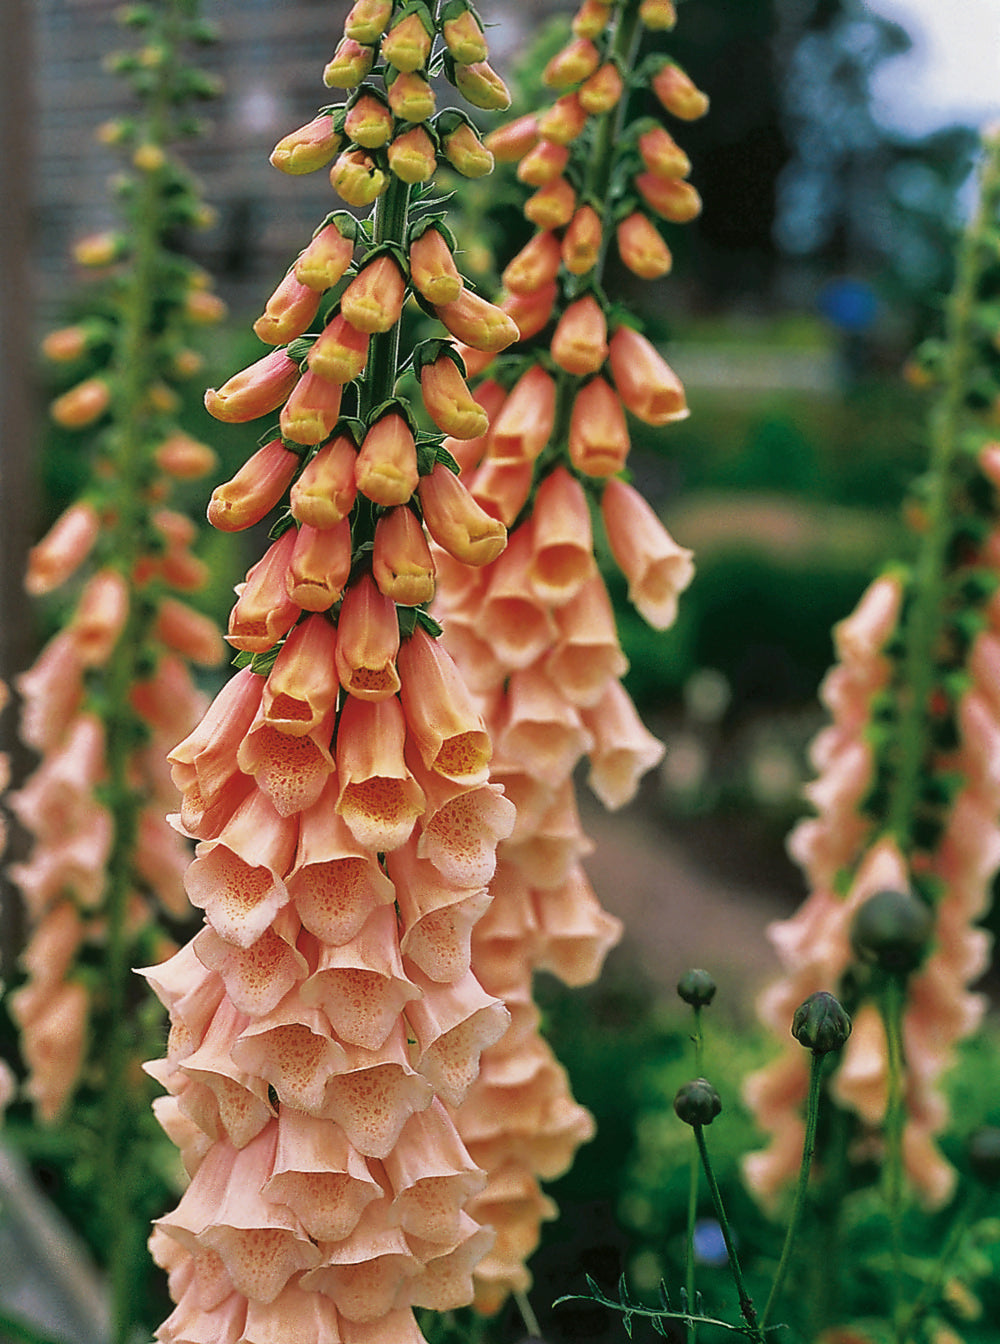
(709, 1243)
(850, 305)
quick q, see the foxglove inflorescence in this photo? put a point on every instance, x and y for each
(905, 844)
(113, 687)
(326, 1017)
(533, 631)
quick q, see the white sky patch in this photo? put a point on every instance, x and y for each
(952, 72)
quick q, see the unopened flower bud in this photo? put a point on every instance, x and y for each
(456, 522)
(411, 97)
(697, 988)
(671, 197)
(697, 1103)
(678, 94)
(892, 929)
(543, 164)
(511, 142)
(402, 565)
(641, 247)
(288, 313)
(148, 158)
(357, 178)
(352, 61)
(325, 260)
(602, 91)
(66, 344)
(312, 409)
(369, 122)
(661, 153)
(98, 249)
(82, 405)
(255, 390)
(482, 86)
(63, 549)
(407, 44)
(598, 434)
(203, 308)
(536, 264)
(551, 206)
(310, 147)
(658, 15)
(373, 300)
(573, 63)
(185, 458)
(255, 489)
(531, 312)
(984, 1154)
(821, 1024)
(325, 490)
(463, 35)
(581, 244)
(412, 156)
(386, 467)
(432, 268)
(367, 20)
(340, 353)
(478, 322)
(466, 152)
(580, 340)
(591, 19)
(449, 402)
(564, 120)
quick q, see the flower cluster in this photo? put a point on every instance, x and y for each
(534, 631)
(113, 687)
(327, 1017)
(902, 853)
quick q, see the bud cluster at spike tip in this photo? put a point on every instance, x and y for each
(326, 1021)
(534, 632)
(122, 561)
(896, 902)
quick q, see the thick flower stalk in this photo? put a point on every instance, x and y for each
(902, 852)
(113, 687)
(327, 1016)
(534, 631)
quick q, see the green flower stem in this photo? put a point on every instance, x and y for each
(895, 1117)
(747, 1308)
(801, 1190)
(129, 449)
(624, 48)
(527, 1315)
(389, 226)
(692, 1214)
(928, 587)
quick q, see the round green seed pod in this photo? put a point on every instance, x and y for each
(696, 988)
(892, 930)
(697, 1102)
(821, 1024)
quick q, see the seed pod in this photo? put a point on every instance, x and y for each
(697, 1103)
(821, 1024)
(892, 929)
(697, 988)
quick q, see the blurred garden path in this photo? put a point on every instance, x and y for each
(677, 914)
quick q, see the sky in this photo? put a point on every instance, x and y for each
(952, 72)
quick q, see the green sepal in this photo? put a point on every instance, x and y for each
(426, 457)
(351, 427)
(446, 460)
(393, 406)
(346, 224)
(422, 12)
(261, 663)
(431, 350)
(300, 347)
(281, 526)
(427, 621)
(392, 249)
(243, 659)
(407, 620)
(420, 226)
